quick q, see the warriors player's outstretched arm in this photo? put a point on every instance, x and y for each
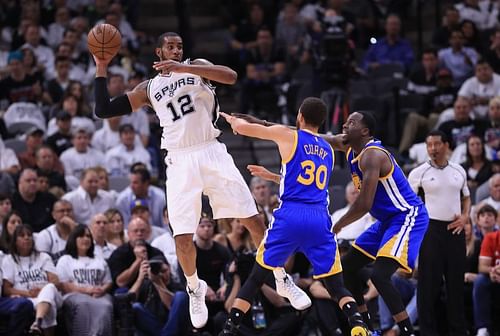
(121, 105)
(264, 173)
(370, 164)
(200, 67)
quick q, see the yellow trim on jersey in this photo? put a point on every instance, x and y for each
(348, 151)
(357, 158)
(295, 142)
(363, 251)
(259, 258)
(385, 252)
(336, 267)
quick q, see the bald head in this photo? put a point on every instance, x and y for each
(98, 228)
(138, 229)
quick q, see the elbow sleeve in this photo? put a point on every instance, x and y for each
(104, 108)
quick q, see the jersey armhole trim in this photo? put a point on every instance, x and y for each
(389, 174)
(294, 149)
(148, 88)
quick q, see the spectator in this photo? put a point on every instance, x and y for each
(77, 90)
(9, 223)
(79, 120)
(472, 37)
(103, 183)
(31, 274)
(492, 133)
(124, 263)
(18, 311)
(423, 77)
(120, 158)
(81, 156)
(390, 49)
(99, 228)
(57, 28)
(61, 139)
(7, 185)
(352, 231)
(57, 85)
(261, 191)
(140, 208)
(162, 305)
(290, 32)
(451, 21)
(486, 281)
(492, 55)
(265, 70)
(458, 59)
(115, 233)
(85, 281)
(141, 188)
(462, 126)
(32, 67)
(482, 13)
(18, 86)
(481, 88)
(108, 136)
(8, 160)
(88, 200)
(5, 206)
(473, 246)
(52, 240)
(236, 239)
(166, 244)
(44, 54)
(47, 163)
(477, 167)
(35, 207)
(486, 221)
(34, 139)
(442, 254)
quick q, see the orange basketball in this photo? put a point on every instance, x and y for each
(104, 41)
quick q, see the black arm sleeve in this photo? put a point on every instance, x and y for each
(104, 108)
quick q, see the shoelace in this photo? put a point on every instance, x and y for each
(291, 288)
(196, 306)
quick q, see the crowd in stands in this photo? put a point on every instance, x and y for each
(85, 242)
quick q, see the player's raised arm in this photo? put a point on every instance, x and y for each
(371, 165)
(264, 173)
(121, 105)
(336, 141)
(200, 67)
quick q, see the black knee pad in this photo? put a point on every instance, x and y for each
(255, 280)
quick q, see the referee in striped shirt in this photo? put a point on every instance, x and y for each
(443, 187)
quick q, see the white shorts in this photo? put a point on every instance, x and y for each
(207, 169)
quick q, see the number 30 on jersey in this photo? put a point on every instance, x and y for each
(312, 175)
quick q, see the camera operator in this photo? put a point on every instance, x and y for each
(162, 305)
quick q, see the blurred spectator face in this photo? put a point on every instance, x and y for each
(64, 125)
(430, 62)
(475, 146)
(114, 123)
(127, 138)
(456, 40)
(237, 227)
(116, 8)
(290, 13)
(115, 224)
(139, 187)
(34, 140)
(256, 14)
(392, 26)
(205, 230)
(484, 73)
(261, 192)
(81, 141)
(62, 15)
(113, 19)
(29, 60)
(62, 69)
(5, 207)
(436, 148)
(351, 193)
(12, 223)
(469, 30)
(90, 183)
(16, 68)
(452, 17)
(42, 183)
(165, 273)
(264, 39)
(27, 183)
(80, 24)
(70, 105)
(103, 180)
(24, 243)
(98, 226)
(83, 243)
(142, 213)
(461, 109)
(495, 187)
(76, 89)
(137, 229)
(62, 209)
(32, 35)
(45, 159)
(116, 85)
(494, 111)
(486, 221)
(64, 50)
(71, 38)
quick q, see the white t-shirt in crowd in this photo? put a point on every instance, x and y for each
(74, 162)
(84, 271)
(48, 240)
(30, 272)
(166, 244)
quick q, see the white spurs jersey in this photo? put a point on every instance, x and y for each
(187, 108)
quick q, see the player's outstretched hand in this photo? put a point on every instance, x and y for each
(169, 66)
(230, 119)
(250, 119)
(263, 173)
(101, 61)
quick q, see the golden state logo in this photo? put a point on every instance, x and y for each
(356, 181)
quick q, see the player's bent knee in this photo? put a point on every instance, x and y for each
(184, 243)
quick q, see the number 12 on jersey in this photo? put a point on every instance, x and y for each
(185, 106)
(312, 175)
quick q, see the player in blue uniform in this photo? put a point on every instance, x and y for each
(393, 241)
(302, 221)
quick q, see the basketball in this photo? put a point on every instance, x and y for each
(104, 41)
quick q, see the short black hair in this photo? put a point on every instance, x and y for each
(368, 121)
(438, 133)
(20, 229)
(161, 38)
(430, 50)
(487, 209)
(143, 173)
(314, 111)
(482, 61)
(71, 248)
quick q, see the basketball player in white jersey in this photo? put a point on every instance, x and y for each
(186, 105)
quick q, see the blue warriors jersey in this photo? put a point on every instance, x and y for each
(305, 174)
(394, 194)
